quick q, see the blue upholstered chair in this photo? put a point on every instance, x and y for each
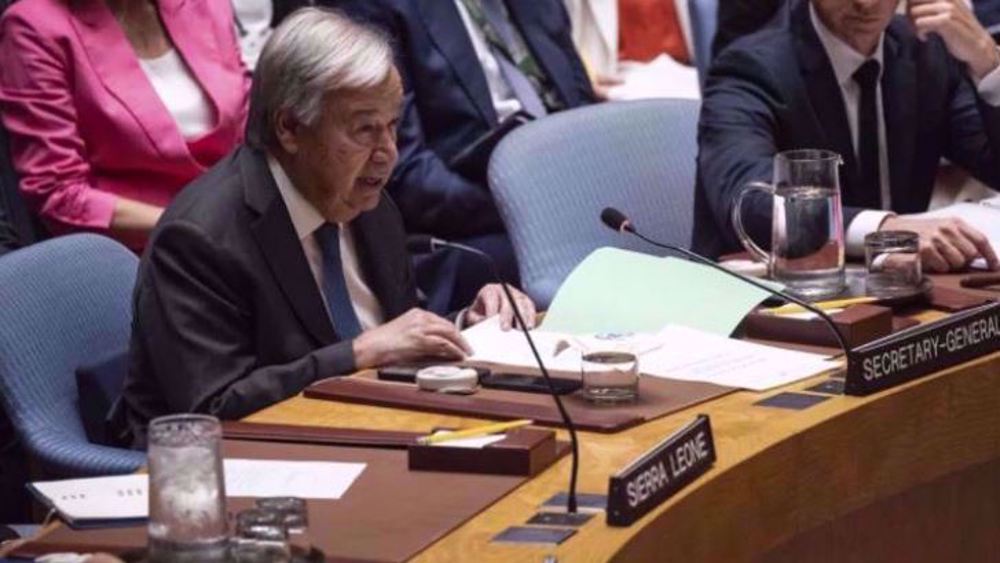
(63, 302)
(704, 20)
(551, 179)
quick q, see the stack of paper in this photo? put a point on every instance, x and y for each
(675, 352)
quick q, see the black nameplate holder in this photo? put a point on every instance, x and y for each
(923, 350)
(660, 472)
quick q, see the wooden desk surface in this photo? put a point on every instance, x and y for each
(910, 474)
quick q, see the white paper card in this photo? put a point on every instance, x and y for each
(98, 498)
(303, 479)
(476, 443)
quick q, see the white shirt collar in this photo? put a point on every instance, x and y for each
(844, 59)
(305, 217)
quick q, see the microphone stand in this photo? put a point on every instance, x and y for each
(626, 226)
(571, 504)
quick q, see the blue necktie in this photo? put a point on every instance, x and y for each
(338, 300)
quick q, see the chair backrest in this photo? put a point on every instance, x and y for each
(551, 179)
(704, 21)
(63, 303)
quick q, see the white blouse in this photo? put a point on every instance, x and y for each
(180, 92)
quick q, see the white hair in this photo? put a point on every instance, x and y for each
(313, 52)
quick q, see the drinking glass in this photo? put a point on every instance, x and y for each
(187, 497)
(610, 377)
(807, 226)
(892, 259)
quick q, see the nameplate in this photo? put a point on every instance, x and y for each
(660, 472)
(925, 349)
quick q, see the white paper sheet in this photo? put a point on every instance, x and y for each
(303, 479)
(476, 443)
(675, 352)
(98, 498)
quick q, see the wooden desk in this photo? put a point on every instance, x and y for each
(911, 474)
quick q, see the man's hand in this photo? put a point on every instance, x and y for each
(413, 335)
(963, 35)
(945, 244)
(491, 301)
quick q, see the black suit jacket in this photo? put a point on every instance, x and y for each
(775, 90)
(447, 102)
(228, 317)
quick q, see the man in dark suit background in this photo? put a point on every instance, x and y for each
(286, 263)
(466, 65)
(737, 18)
(891, 94)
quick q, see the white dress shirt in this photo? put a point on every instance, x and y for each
(180, 93)
(846, 61)
(504, 101)
(306, 219)
(253, 19)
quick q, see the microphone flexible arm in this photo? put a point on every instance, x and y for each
(571, 504)
(626, 226)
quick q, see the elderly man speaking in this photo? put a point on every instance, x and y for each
(286, 263)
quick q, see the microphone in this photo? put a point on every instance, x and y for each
(422, 244)
(617, 221)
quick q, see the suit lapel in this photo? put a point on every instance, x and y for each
(197, 46)
(826, 99)
(523, 14)
(280, 246)
(374, 251)
(899, 95)
(446, 30)
(115, 62)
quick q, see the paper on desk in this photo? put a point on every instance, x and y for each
(474, 443)
(303, 479)
(675, 352)
(692, 355)
(616, 290)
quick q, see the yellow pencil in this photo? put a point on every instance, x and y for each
(822, 305)
(474, 432)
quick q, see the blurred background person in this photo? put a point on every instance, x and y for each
(113, 105)
(636, 48)
(255, 19)
(467, 65)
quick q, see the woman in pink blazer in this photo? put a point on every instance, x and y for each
(114, 105)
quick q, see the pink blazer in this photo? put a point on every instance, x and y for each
(86, 125)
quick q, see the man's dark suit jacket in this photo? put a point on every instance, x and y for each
(447, 104)
(775, 90)
(228, 316)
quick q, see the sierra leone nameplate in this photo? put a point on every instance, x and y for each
(659, 473)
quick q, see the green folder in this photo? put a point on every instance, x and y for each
(618, 291)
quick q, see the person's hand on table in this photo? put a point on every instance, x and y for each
(945, 243)
(492, 301)
(963, 35)
(414, 335)
(603, 84)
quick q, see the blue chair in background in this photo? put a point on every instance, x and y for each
(551, 178)
(704, 20)
(65, 302)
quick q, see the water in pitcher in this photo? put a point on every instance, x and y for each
(808, 241)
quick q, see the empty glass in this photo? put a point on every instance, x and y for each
(187, 497)
(610, 377)
(892, 259)
(807, 232)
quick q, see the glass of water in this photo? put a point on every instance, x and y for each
(187, 497)
(610, 377)
(892, 259)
